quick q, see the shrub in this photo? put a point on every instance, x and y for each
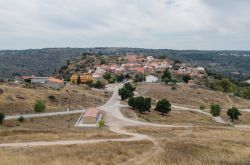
(52, 97)
(98, 84)
(21, 119)
(2, 116)
(139, 78)
(39, 106)
(186, 78)
(120, 78)
(215, 110)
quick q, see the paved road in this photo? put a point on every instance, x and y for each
(44, 114)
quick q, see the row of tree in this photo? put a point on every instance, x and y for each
(144, 104)
(233, 113)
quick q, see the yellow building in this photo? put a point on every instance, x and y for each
(85, 77)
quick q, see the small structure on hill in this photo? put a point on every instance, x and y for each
(151, 79)
(85, 77)
(54, 83)
(91, 116)
(49, 82)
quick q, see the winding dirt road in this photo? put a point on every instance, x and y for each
(116, 122)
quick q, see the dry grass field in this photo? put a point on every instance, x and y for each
(191, 96)
(174, 117)
(50, 129)
(108, 153)
(18, 99)
(202, 145)
(244, 118)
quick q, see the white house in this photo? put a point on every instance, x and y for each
(150, 58)
(151, 79)
(99, 72)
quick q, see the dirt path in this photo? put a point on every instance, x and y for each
(116, 122)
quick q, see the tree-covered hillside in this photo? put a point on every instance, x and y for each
(43, 62)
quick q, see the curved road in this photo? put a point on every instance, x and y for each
(115, 120)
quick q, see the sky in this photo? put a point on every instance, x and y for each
(159, 24)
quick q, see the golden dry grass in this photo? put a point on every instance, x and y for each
(244, 118)
(190, 96)
(50, 129)
(16, 99)
(108, 153)
(209, 146)
(174, 117)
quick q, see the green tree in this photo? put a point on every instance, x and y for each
(120, 78)
(226, 85)
(125, 93)
(140, 103)
(166, 77)
(215, 110)
(107, 76)
(163, 106)
(39, 106)
(139, 78)
(2, 116)
(78, 81)
(131, 102)
(147, 104)
(112, 80)
(129, 86)
(233, 113)
(186, 78)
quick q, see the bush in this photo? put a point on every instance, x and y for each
(215, 110)
(52, 97)
(21, 119)
(39, 106)
(120, 78)
(2, 116)
(89, 83)
(98, 84)
(233, 113)
(139, 78)
(163, 106)
(186, 78)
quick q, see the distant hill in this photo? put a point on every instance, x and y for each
(43, 62)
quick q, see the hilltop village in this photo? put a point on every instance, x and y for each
(109, 69)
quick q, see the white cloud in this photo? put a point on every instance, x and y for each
(178, 24)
